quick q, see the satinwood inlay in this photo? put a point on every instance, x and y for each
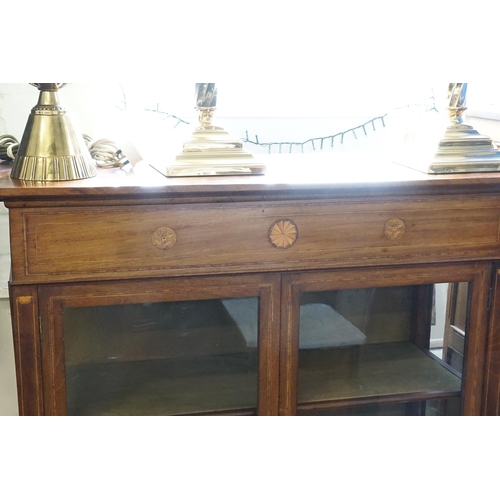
(164, 238)
(283, 233)
(24, 300)
(395, 229)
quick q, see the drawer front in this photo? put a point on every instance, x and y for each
(107, 242)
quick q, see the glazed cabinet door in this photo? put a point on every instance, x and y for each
(370, 342)
(178, 346)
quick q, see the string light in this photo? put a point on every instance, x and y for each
(330, 140)
(167, 115)
(316, 142)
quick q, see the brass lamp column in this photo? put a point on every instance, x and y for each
(211, 150)
(51, 148)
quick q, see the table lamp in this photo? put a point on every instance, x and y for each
(461, 149)
(52, 149)
(211, 150)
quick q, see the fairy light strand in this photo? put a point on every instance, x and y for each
(315, 142)
(428, 106)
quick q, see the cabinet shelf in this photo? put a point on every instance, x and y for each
(382, 373)
(217, 384)
(390, 372)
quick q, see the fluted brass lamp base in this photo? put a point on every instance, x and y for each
(51, 149)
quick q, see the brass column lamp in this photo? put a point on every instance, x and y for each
(51, 148)
(462, 149)
(211, 150)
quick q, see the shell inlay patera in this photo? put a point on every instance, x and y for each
(395, 229)
(283, 233)
(164, 238)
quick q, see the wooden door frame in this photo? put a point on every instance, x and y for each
(54, 298)
(479, 274)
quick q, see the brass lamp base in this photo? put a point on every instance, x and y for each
(51, 149)
(461, 149)
(212, 151)
(464, 150)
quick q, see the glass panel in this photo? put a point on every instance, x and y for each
(162, 358)
(383, 347)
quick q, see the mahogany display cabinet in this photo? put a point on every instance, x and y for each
(310, 290)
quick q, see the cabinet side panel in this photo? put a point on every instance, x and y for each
(24, 304)
(17, 243)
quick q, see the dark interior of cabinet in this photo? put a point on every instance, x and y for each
(173, 358)
(370, 349)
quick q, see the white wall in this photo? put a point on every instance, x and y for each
(17, 99)
(486, 126)
(8, 392)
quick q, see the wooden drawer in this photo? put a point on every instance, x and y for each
(194, 239)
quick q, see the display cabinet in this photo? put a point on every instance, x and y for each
(283, 294)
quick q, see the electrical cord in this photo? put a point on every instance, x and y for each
(104, 151)
(9, 146)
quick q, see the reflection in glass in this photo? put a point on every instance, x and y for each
(384, 349)
(162, 358)
(434, 408)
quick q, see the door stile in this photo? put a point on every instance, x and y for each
(476, 342)
(54, 377)
(289, 346)
(269, 347)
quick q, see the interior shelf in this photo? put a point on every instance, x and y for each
(221, 384)
(389, 372)
(396, 371)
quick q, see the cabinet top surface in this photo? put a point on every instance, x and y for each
(336, 174)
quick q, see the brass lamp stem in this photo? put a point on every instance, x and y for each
(205, 116)
(456, 115)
